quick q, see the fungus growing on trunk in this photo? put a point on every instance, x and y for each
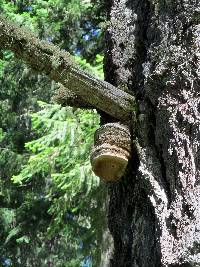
(111, 152)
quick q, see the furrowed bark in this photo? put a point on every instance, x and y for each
(154, 212)
(58, 65)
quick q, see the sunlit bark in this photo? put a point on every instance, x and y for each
(154, 214)
(58, 65)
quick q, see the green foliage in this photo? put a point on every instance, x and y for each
(52, 214)
(64, 145)
(96, 70)
(60, 157)
(65, 23)
(59, 194)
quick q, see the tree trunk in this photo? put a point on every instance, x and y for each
(154, 214)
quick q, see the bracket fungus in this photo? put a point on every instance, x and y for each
(111, 151)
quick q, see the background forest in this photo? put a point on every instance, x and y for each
(51, 213)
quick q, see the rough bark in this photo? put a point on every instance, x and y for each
(45, 58)
(153, 49)
(154, 213)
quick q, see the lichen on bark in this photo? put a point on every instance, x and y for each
(45, 58)
(154, 214)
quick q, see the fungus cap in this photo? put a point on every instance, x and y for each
(109, 162)
(111, 152)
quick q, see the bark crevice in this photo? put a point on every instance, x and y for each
(157, 57)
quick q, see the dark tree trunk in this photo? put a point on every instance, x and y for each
(154, 51)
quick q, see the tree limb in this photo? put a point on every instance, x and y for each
(66, 97)
(59, 66)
